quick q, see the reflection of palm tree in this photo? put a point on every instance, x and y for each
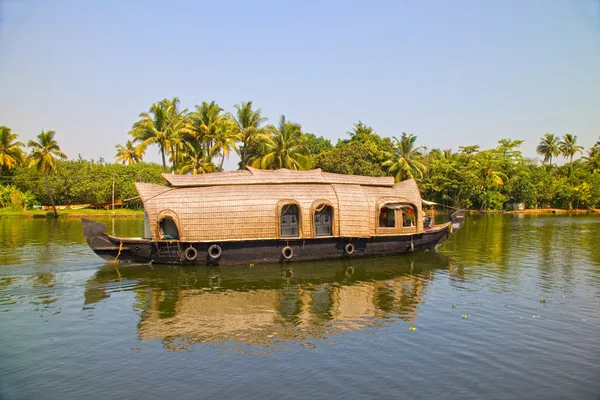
(11, 152)
(43, 155)
(404, 162)
(549, 147)
(283, 147)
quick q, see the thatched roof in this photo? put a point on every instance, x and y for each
(253, 176)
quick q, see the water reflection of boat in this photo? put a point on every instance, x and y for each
(256, 216)
(262, 305)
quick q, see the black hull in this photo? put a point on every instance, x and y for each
(116, 249)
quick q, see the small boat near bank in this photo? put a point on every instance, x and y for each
(258, 216)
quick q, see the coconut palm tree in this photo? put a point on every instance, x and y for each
(130, 153)
(284, 147)
(202, 124)
(593, 158)
(360, 130)
(162, 125)
(11, 152)
(487, 167)
(249, 123)
(568, 147)
(227, 134)
(404, 162)
(194, 160)
(549, 147)
(43, 156)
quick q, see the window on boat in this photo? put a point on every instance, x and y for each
(290, 221)
(408, 216)
(323, 220)
(387, 216)
(168, 229)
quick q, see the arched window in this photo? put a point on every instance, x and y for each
(323, 220)
(168, 229)
(290, 221)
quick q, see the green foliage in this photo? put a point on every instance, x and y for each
(161, 125)
(353, 158)
(11, 197)
(11, 151)
(404, 162)
(283, 146)
(84, 182)
(317, 145)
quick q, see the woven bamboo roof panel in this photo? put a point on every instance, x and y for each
(254, 176)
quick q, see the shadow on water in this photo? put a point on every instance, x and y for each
(265, 305)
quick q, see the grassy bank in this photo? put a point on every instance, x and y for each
(538, 211)
(118, 213)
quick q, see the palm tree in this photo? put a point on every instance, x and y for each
(194, 160)
(568, 147)
(130, 153)
(284, 147)
(487, 168)
(593, 158)
(43, 155)
(359, 130)
(161, 125)
(226, 135)
(549, 147)
(11, 152)
(202, 124)
(248, 122)
(404, 162)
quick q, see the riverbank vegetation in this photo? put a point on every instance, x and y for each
(199, 141)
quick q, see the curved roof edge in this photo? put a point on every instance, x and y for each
(252, 176)
(148, 191)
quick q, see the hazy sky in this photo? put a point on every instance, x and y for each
(451, 72)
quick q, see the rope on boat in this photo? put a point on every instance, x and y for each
(116, 260)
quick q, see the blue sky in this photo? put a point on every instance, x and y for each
(451, 72)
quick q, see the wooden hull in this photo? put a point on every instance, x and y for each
(138, 250)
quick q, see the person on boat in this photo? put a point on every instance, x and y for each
(166, 236)
(426, 221)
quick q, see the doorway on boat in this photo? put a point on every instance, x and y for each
(168, 229)
(323, 220)
(290, 221)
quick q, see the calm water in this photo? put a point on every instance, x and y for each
(466, 322)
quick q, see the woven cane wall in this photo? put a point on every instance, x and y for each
(353, 211)
(209, 213)
(236, 213)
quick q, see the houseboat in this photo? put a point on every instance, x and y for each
(262, 216)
